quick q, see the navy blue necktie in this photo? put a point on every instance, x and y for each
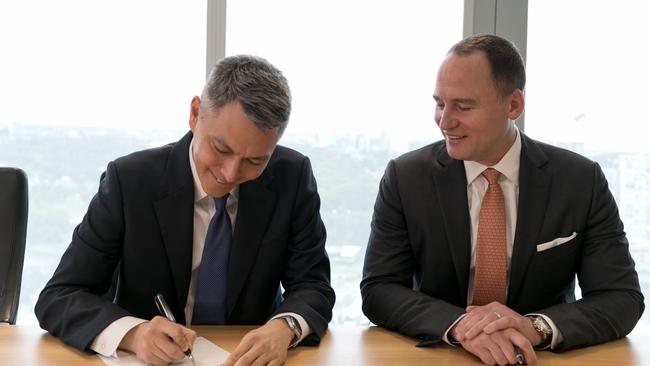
(210, 299)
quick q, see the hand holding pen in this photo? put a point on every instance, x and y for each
(164, 309)
(158, 342)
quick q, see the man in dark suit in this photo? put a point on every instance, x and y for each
(549, 217)
(147, 228)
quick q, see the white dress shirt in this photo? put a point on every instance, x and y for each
(477, 186)
(108, 340)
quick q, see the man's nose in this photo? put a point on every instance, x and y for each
(446, 120)
(230, 170)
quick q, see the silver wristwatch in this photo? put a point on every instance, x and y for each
(295, 328)
(543, 329)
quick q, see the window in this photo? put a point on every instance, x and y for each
(362, 75)
(587, 85)
(82, 83)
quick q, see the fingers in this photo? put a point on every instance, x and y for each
(475, 314)
(492, 331)
(493, 317)
(262, 346)
(254, 357)
(190, 336)
(173, 338)
(463, 326)
(518, 322)
(183, 337)
(503, 323)
(150, 349)
(276, 363)
(495, 349)
(242, 348)
(507, 353)
(248, 352)
(511, 342)
(160, 356)
(489, 308)
(481, 347)
(524, 346)
(498, 355)
(161, 341)
(481, 323)
(500, 348)
(169, 349)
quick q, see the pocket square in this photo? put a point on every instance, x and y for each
(555, 242)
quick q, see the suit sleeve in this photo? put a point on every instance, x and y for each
(389, 299)
(72, 306)
(611, 302)
(306, 278)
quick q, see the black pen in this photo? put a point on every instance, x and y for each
(163, 308)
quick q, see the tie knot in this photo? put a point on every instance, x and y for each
(220, 202)
(492, 175)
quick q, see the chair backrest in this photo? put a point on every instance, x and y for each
(13, 230)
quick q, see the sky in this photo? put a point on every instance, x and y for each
(588, 73)
(113, 64)
(355, 67)
(137, 64)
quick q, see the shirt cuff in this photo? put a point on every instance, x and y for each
(304, 327)
(445, 337)
(557, 337)
(109, 339)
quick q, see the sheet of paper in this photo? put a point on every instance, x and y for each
(205, 353)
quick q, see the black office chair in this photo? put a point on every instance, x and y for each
(13, 230)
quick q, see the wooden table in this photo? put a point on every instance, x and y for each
(348, 346)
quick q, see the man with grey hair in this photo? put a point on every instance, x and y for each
(214, 222)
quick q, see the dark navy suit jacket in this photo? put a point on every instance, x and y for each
(136, 240)
(416, 271)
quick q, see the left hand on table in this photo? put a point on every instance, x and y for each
(266, 345)
(492, 318)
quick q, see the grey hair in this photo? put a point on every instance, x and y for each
(258, 86)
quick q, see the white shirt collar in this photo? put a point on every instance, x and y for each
(508, 165)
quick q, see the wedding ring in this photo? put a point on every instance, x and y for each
(497, 315)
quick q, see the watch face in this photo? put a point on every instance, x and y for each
(542, 327)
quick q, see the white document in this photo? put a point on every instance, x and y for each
(205, 353)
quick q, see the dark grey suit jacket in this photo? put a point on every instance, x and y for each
(141, 221)
(415, 277)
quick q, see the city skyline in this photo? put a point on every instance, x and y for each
(63, 166)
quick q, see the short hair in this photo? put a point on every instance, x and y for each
(258, 86)
(506, 63)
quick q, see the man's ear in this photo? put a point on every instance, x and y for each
(195, 108)
(517, 103)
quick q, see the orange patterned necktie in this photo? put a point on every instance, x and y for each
(491, 261)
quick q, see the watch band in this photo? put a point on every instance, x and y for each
(543, 329)
(295, 328)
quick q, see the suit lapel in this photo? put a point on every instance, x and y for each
(175, 214)
(534, 189)
(451, 189)
(254, 211)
